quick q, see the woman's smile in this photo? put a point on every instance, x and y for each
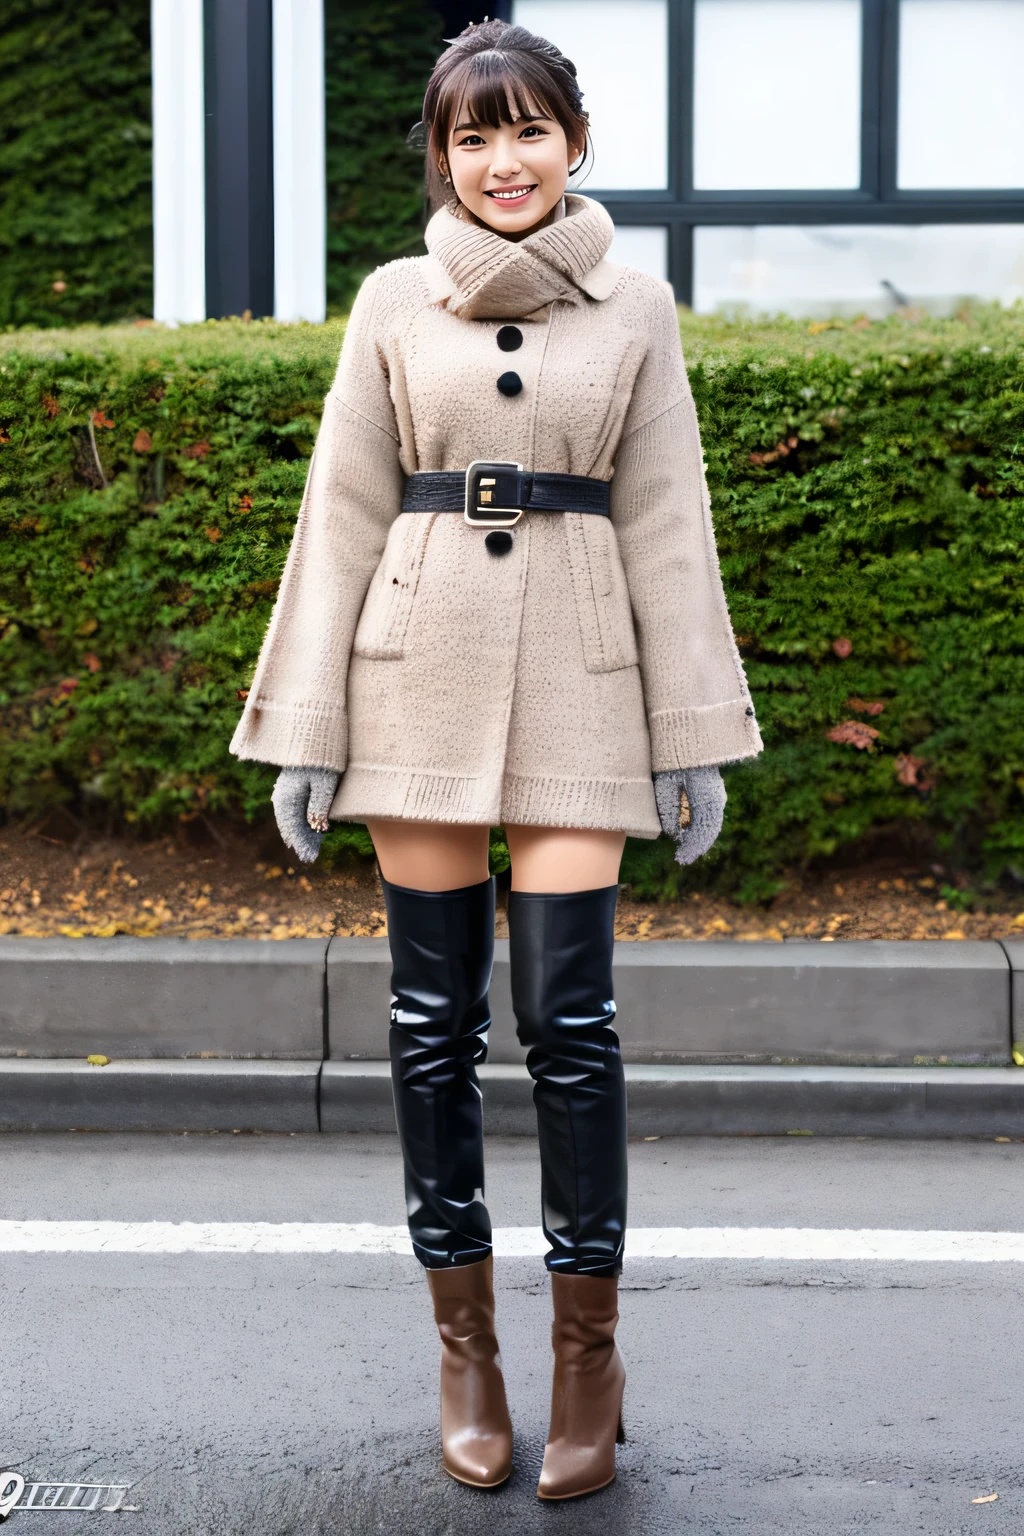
(511, 194)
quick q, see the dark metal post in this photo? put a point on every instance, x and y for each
(239, 158)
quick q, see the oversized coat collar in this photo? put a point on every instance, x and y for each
(481, 275)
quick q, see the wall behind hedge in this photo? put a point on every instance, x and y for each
(76, 152)
(869, 505)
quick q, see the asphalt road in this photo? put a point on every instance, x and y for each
(297, 1393)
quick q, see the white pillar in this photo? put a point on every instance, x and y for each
(179, 180)
(300, 194)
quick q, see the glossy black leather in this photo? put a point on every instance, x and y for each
(442, 950)
(561, 954)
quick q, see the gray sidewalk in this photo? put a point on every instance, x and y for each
(849, 1038)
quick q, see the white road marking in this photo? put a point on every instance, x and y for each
(298, 1237)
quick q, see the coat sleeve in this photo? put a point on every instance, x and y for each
(296, 711)
(698, 705)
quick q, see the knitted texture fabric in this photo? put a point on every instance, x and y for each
(545, 684)
(302, 802)
(701, 812)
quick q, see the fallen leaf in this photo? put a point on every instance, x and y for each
(101, 419)
(842, 647)
(51, 406)
(906, 766)
(143, 442)
(92, 661)
(1018, 1057)
(853, 733)
(98, 1061)
(245, 504)
(196, 450)
(68, 686)
(241, 693)
(213, 534)
(866, 706)
(989, 1498)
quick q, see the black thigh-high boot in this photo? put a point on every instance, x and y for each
(442, 951)
(561, 952)
(561, 963)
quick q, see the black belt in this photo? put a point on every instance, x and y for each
(494, 494)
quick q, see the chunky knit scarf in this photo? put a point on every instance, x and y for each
(495, 277)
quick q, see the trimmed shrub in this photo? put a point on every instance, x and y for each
(868, 493)
(378, 59)
(75, 162)
(76, 225)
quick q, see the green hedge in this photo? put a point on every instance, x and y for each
(75, 161)
(868, 492)
(76, 152)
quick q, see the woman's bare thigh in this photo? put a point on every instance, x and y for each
(556, 859)
(430, 855)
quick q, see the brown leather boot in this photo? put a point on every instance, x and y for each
(476, 1431)
(586, 1397)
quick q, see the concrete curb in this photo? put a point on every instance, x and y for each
(663, 1100)
(858, 1003)
(159, 1095)
(129, 997)
(869, 1038)
(730, 1100)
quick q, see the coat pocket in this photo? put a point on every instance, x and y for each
(384, 617)
(602, 596)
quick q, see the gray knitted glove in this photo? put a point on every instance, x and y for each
(691, 804)
(301, 799)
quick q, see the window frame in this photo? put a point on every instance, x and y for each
(878, 200)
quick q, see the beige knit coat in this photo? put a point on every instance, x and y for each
(544, 685)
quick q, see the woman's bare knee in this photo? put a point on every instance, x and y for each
(563, 858)
(430, 855)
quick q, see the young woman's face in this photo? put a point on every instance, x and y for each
(512, 176)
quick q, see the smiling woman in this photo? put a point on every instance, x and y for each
(507, 129)
(502, 606)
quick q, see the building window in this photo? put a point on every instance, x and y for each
(822, 270)
(776, 94)
(961, 101)
(620, 49)
(641, 245)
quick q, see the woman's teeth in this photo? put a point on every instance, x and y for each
(515, 196)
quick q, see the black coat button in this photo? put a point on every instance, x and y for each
(498, 541)
(509, 338)
(510, 383)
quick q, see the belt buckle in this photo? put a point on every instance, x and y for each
(482, 509)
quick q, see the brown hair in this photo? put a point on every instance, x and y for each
(499, 72)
